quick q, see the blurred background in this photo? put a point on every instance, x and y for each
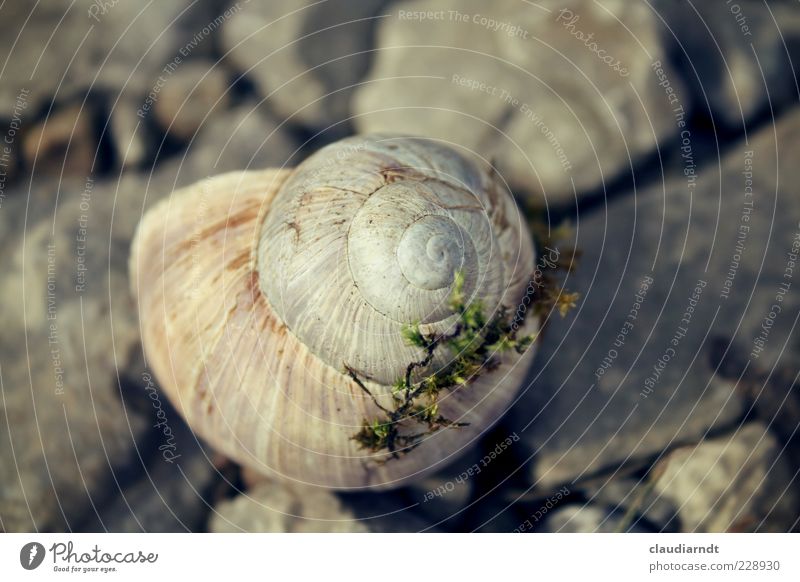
(659, 138)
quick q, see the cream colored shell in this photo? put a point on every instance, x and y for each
(255, 290)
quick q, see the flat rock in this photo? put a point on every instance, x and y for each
(741, 58)
(64, 426)
(304, 57)
(196, 93)
(621, 495)
(130, 139)
(676, 282)
(105, 58)
(70, 329)
(173, 492)
(68, 48)
(587, 519)
(561, 95)
(277, 508)
(62, 144)
(443, 495)
(739, 482)
(241, 138)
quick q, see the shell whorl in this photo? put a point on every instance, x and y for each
(255, 288)
(366, 236)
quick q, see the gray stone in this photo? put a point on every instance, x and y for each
(238, 139)
(129, 136)
(172, 493)
(443, 495)
(59, 49)
(63, 426)
(195, 94)
(278, 508)
(523, 84)
(587, 519)
(738, 55)
(733, 483)
(626, 494)
(593, 404)
(74, 323)
(62, 144)
(304, 56)
(9, 168)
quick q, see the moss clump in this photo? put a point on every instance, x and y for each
(476, 343)
(552, 295)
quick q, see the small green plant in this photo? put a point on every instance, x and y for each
(552, 295)
(476, 344)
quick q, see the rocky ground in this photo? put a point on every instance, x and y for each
(659, 139)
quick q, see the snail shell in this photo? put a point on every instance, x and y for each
(256, 290)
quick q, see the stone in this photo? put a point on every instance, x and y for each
(70, 329)
(443, 495)
(738, 56)
(587, 519)
(9, 168)
(67, 48)
(238, 139)
(63, 426)
(623, 494)
(278, 508)
(111, 54)
(129, 136)
(738, 482)
(389, 512)
(304, 57)
(173, 492)
(675, 282)
(62, 144)
(562, 96)
(195, 94)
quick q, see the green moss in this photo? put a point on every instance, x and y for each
(476, 344)
(413, 336)
(553, 296)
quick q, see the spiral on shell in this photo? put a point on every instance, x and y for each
(307, 273)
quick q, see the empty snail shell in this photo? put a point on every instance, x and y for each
(273, 304)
